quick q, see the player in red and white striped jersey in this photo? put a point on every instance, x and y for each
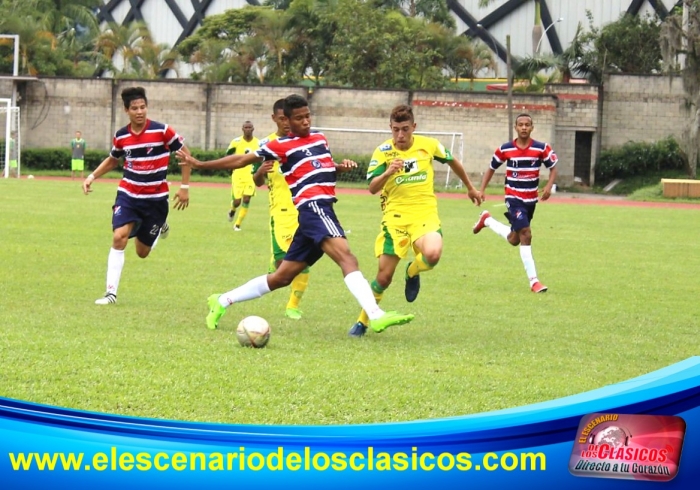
(141, 207)
(523, 158)
(309, 170)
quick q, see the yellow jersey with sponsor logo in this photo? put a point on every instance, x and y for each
(410, 190)
(280, 196)
(239, 146)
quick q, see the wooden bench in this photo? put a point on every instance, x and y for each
(680, 187)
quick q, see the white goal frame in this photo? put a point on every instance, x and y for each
(456, 138)
(10, 111)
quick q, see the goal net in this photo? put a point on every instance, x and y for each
(359, 144)
(9, 139)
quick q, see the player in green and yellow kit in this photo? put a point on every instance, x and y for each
(242, 185)
(402, 169)
(283, 214)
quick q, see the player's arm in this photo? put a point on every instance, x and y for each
(497, 160)
(229, 162)
(547, 191)
(182, 196)
(378, 181)
(261, 171)
(459, 171)
(107, 165)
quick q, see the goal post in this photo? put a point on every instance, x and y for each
(359, 144)
(10, 139)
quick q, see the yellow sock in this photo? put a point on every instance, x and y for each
(418, 265)
(378, 292)
(299, 285)
(241, 214)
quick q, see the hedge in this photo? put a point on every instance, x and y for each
(639, 158)
(60, 159)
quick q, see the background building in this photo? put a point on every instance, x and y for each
(171, 21)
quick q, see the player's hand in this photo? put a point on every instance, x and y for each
(546, 193)
(185, 159)
(181, 199)
(482, 196)
(476, 196)
(86, 185)
(346, 165)
(266, 167)
(395, 165)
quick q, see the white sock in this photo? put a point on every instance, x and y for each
(360, 288)
(252, 289)
(115, 264)
(529, 263)
(497, 227)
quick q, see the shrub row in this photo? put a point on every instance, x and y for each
(60, 159)
(639, 158)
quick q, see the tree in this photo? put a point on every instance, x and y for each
(679, 39)
(119, 44)
(435, 11)
(155, 58)
(63, 15)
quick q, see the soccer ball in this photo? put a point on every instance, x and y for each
(253, 331)
(30, 176)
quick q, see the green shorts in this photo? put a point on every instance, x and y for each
(77, 164)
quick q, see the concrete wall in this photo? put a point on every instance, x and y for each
(642, 108)
(210, 115)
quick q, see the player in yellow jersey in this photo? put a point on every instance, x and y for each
(283, 214)
(402, 169)
(242, 185)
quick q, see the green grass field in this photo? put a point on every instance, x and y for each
(623, 301)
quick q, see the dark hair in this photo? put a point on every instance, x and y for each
(401, 113)
(523, 114)
(294, 102)
(131, 94)
(278, 106)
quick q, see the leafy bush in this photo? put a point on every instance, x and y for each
(639, 158)
(60, 159)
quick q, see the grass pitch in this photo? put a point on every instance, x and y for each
(623, 301)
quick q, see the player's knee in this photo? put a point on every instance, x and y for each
(119, 241)
(279, 280)
(143, 252)
(525, 236)
(432, 257)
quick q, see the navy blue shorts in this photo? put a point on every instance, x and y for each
(317, 221)
(148, 215)
(519, 214)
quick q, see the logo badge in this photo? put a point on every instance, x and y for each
(628, 447)
(316, 163)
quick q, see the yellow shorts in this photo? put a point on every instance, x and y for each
(242, 188)
(282, 229)
(398, 236)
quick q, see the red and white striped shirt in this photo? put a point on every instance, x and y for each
(307, 166)
(523, 168)
(146, 157)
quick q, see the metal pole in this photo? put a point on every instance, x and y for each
(510, 89)
(537, 49)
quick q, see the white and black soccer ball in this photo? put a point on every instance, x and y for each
(253, 331)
